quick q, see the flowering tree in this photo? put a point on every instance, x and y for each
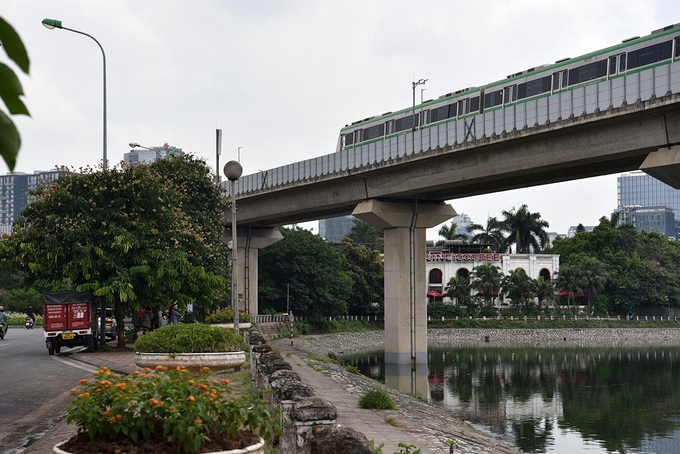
(135, 235)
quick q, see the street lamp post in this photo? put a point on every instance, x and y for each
(51, 24)
(233, 171)
(136, 145)
(415, 84)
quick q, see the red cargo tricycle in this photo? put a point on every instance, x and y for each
(70, 320)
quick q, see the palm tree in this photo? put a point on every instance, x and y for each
(491, 234)
(544, 291)
(458, 288)
(486, 279)
(568, 281)
(364, 233)
(593, 277)
(450, 232)
(518, 286)
(526, 230)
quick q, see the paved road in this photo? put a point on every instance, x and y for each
(35, 387)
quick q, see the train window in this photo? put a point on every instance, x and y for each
(373, 132)
(650, 54)
(402, 124)
(474, 104)
(556, 81)
(612, 65)
(442, 113)
(565, 78)
(677, 47)
(622, 62)
(349, 138)
(492, 99)
(588, 72)
(534, 87)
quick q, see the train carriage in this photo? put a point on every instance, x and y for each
(637, 69)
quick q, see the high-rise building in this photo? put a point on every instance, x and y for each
(335, 229)
(15, 190)
(642, 201)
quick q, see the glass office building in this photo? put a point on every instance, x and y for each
(15, 190)
(644, 202)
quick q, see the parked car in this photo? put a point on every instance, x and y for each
(111, 326)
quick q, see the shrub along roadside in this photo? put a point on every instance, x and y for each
(190, 338)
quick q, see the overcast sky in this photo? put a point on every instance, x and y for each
(281, 77)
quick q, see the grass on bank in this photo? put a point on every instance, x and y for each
(355, 326)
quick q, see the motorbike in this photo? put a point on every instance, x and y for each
(29, 322)
(2, 332)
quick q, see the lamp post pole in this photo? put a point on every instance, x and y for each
(233, 171)
(52, 24)
(415, 84)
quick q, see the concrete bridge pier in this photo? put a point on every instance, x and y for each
(405, 225)
(249, 242)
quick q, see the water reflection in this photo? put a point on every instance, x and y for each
(572, 399)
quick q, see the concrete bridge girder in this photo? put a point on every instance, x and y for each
(405, 227)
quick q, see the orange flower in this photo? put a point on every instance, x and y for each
(191, 399)
(105, 383)
(153, 401)
(159, 367)
(84, 381)
(83, 395)
(198, 421)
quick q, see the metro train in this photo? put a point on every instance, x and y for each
(639, 69)
(634, 55)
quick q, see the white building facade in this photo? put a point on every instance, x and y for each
(452, 260)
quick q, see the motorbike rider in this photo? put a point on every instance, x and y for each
(148, 319)
(3, 318)
(30, 313)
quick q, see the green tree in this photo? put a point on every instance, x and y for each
(518, 286)
(10, 92)
(135, 235)
(458, 288)
(568, 281)
(364, 233)
(365, 268)
(592, 278)
(525, 229)
(486, 279)
(545, 291)
(450, 232)
(313, 270)
(491, 234)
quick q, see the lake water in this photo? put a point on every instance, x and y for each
(553, 400)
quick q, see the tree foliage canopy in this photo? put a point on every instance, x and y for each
(310, 269)
(135, 235)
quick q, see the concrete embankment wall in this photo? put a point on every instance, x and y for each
(593, 337)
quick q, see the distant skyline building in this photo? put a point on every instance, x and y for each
(148, 155)
(14, 194)
(642, 201)
(335, 229)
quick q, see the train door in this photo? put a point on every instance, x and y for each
(509, 94)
